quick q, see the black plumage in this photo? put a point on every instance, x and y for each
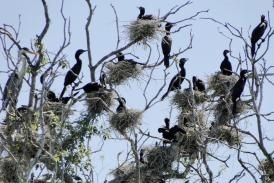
(102, 79)
(198, 84)
(122, 105)
(177, 80)
(166, 44)
(226, 66)
(90, 87)
(141, 154)
(142, 15)
(52, 97)
(257, 34)
(238, 89)
(169, 134)
(121, 58)
(167, 122)
(73, 73)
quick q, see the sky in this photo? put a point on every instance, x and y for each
(204, 57)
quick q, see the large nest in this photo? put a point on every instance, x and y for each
(223, 110)
(58, 108)
(190, 119)
(221, 84)
(123, 170)
(268, 170)
(160, 158)
(185, 100)
(125, 120)
(143, 31)
(120, 72)
(226, 134)
(98, 102)
(9, 171)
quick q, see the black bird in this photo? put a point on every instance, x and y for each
(166, 44)
(167, 122)
(238, 89)
(226, 66)
(257, 33)
(177, 80)
(52, 97)
(198, 84)
(102, 79)
(141, 154)
(73, 73)
(169, 134)
(121, 58)
(142, 15)
(91, 87)
(122, 105)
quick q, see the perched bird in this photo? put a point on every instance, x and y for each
(169, 134)
(91, 87)
(73, 73)
(177, 80)
(257, 33)
(166, 44)
(142, 15)
(141, 154)
(122, 105)
(52, 97)
(167, 122)
(226, 66)
(121, 58)
(198, 84)
(102, 79)
(238, 89)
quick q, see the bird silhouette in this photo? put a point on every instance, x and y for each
(142, 15)
(122, 105)
(73, 73)
(257, 33)
(198, 84)
(166, 44)
(226, 66)
(90, 87)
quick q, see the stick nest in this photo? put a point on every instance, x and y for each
(143, 31)
(98, 102)
(123, 170)
(226, 134)
(9, 170)
(125, 120)
(223, 110)
(58, 108)
(189, 119)
(185, 100)
(268, 170)
(221, 84)
(120, 72)
(160, 159)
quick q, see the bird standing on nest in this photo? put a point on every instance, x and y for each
(177, 80)
(198, 84)
(142, 15)
(238, 89)
(226, 66)
(73, 73)
(91, 87)
(122, 105)
(166, 44)
(257, 33)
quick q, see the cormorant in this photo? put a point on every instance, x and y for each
(257, 33)
(141, 154)
(91, 87)
(198, 84)
(166, 44)
(142, 15)
(122, 105)
(73, 73)
(102, 79)
(238, 89)
(177, 80)
(121, 57)
(52, 97)
(226, 66)
(169, 134)
(167, 122)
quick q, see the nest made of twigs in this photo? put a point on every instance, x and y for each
(221, 84)
(226, 134)
(9, 171)
(191, 119)
(268, 170)
(119, 73)
(223, 110)
(143, 31)
(123, 170)
(58, 108)
(160, 158)
(125, 120)
(99, 102)
(186, 99)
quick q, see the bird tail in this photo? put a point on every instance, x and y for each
(253, 47)
(166, 60)
(62, 93)
(164, 96)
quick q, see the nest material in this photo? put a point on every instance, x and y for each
(224, 133)
(123, 170)
(143, 31)
(160, 158)
(125, 120)
(223, 110)
(185, 100)
(189, 119)
(9, 171)
(119, 73)
(58, 108)
(98, 102)
(268, 170)
(188, 143)
(221, 84)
